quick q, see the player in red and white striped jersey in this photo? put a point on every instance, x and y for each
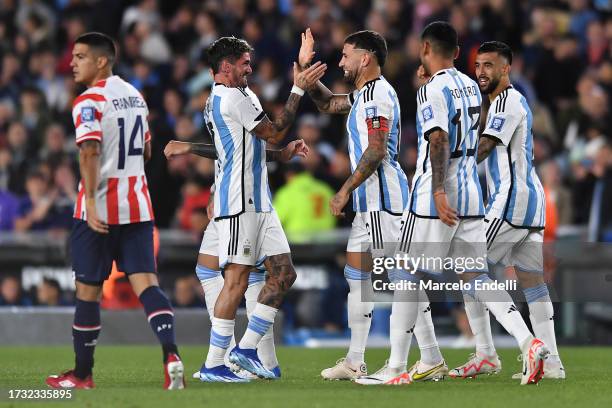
(113, 213)
(113, 113)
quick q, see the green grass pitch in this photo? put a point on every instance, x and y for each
(131, 376)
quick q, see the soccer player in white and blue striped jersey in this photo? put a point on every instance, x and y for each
(248, 228)
(379, 190)
(515, 213)
(445, 217)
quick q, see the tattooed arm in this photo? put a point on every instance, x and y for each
(369, 162)
(439, 156)
(174, 148)
(329, 102)
(274, 131)
(325, 100)
(486, 144)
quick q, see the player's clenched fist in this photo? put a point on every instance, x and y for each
(175, 148)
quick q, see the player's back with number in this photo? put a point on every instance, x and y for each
(450, 102)
(115, 114)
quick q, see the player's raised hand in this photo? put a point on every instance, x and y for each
(297, 148)
(175, 148)
(338, 202)
(306, 49)
(92, 217)
(309, 77)
(447, 214)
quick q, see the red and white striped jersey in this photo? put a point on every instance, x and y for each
(114, 113)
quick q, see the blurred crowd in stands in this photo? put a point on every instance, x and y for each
(562, 64)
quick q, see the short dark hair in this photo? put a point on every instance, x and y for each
(53, 283)
(229, 48)
(442, 36)
(499, 47)
(371, 41)
(101, 42)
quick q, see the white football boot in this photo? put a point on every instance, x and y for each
(343, 371)
(476, 365)
(385, 376)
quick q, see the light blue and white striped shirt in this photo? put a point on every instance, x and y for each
(515, 193)
(241, 177)
(450, 101)
(387, 188)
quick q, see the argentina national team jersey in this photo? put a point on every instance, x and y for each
(387, 188)
(515, 193)
(241, 176)
(450, 101)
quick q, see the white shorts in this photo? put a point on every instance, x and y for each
(375, 232)
(210, 240)
(511, 246)
(432, 246)
(249, 238)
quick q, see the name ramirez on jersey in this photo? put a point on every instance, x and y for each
(450, 101)
(515, 193)
(387, 188)
(114, 113)
(241, 175)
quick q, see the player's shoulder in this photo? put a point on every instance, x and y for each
(377, 90)
(231, 94)
(509, 100)
(96, 95)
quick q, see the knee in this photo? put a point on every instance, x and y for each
(289, 276)
(235, 286)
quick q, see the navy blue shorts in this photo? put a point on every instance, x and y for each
(131, 245)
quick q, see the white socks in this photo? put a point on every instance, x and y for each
(501, 305)
(260, 321)
(404, 314)
(480, 323)
(212, 283)
(425, 333)
(359, 305)
(541, 314)
(265, 350)
(220, 337)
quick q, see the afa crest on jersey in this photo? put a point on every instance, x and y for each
(497, 123)
(427, 113)
(87, 114)
(370, 112)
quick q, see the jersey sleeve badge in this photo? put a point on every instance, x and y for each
(497, 123)
(87, 114)
(427, 113)
(370, 112)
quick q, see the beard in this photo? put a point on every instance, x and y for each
(493, 82)
(349, 77)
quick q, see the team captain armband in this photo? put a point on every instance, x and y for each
(377, 123)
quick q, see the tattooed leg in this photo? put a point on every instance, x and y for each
(281, 277)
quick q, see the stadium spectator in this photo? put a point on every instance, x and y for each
(186, 290)
(9, 209)
(195, 197)
(302, 204)
(49, 293)
(11, 293)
